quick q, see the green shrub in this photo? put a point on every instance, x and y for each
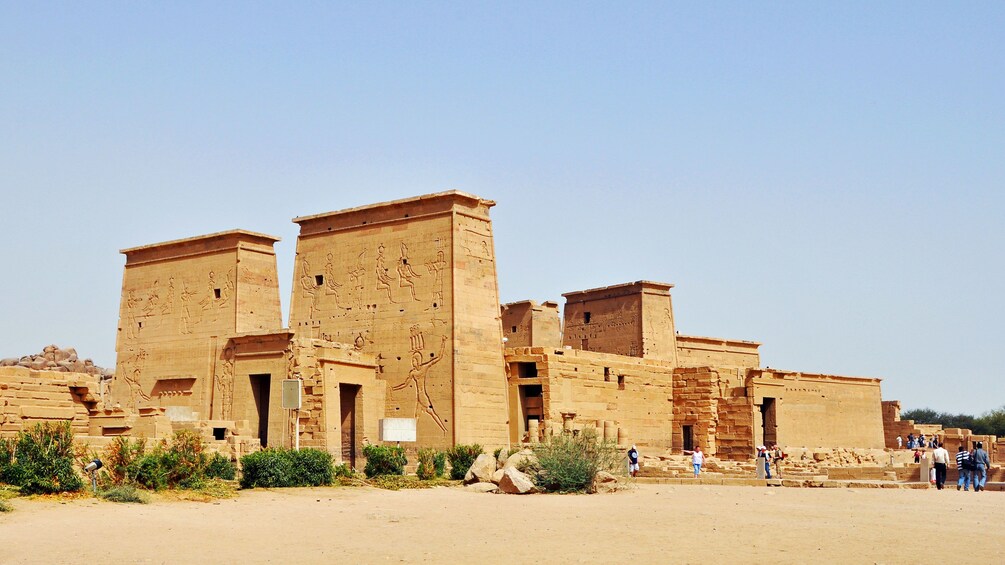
(151, 471)
(124, 493)
(384, 460)
(120, 458)
(42, 460)
(312, 468)
(461, 458)
(439, 463)
(220, 467)
(274, 468)
(432, 464)
(570, 463)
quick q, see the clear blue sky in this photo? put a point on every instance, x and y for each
(826, 179)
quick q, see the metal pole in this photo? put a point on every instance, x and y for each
(296, 416)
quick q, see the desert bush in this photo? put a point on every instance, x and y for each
(120, 458)
(6, 506)
(439, 463)
(344, 471)
(273, 468)
(384, 460)
(179, 463)
(150, 471)
(426, 470)
(220, 467)
(398, 482)
(42, 460)
(125, 493)
(569, 463)
(461, 457)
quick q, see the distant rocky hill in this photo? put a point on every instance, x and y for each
(52, 358)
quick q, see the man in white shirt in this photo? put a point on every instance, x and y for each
(941, 459)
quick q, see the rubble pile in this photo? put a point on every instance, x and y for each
(53, 358)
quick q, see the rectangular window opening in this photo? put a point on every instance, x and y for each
(607, 374)
(586, 317)
(513, 330)
(526, 370)
(216, 292)
(219, 434)
(319, 279)
(621, 382)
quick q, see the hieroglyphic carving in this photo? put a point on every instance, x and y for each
(131, 376)
(186, 308)
(225, 383)
(332, 287)
(132, 326)
(227, 290)
(356, 278)
(309, 287)
(383, 278)
(436, 267)
(207, 300)
(406, 273)
(152, 300)
(417, 375)
(168, 303)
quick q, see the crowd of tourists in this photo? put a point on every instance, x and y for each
(919, 442)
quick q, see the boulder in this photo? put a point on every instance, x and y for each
(515, 482)
(498, 475)
(9, 362)
(520, 459)
(482, 487)
(604, 482)
(481, 470)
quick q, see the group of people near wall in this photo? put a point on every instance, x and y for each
(766, 456)
(973, 467)
(697, 460)
(918, 442)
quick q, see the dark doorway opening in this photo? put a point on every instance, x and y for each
(261, 386)
(347, 398)
(688, 432)
(769, 422)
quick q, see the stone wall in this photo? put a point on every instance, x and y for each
(696, 351)
(28, 397)
(812, 410)
(627, 399)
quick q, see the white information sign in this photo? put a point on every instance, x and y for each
(397, 429)
(291, 394)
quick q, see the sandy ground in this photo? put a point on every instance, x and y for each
(647, 524)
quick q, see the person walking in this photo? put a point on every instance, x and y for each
(633, 461)
(764, 459)
(697, 459)
(917, 456)
(941, 459)
(963, 468)
(900, 442)
(910, 441)
(981, 464)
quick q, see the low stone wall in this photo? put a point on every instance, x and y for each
(28, 397)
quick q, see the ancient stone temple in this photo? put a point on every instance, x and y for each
(412, 282)
(395, 314)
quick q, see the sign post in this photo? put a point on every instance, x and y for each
(292, 400)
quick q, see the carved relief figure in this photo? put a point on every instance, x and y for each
(417, 377)
(405, 272)
(383, 278)
(309, 286)
(207, 300)
(225, 384)
(153, 299)
(132, 327)
(436, 268)
(227, 290)
(132, 378)
(356, 278)
(186, 308)
(168, 304)
(332, 287)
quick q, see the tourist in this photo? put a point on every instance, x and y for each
(778, 456)
(633, 461)
(900, 442)
(697, 459)
(917, 456)
(963, 468)
(910, 441)
(981, 464)
(764, 460)
(941, 459)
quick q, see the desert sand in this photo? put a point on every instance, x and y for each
(646, 524)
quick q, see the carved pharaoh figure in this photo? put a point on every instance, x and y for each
(132, 378)
(436, 268)
(309, 286)
(225, 384)
(383, 278)
(417, 377)
(406, 273)
(356, 278)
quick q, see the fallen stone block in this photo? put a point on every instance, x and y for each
(481, 470)
(515, 482)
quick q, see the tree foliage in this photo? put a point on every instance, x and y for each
(989, 423)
